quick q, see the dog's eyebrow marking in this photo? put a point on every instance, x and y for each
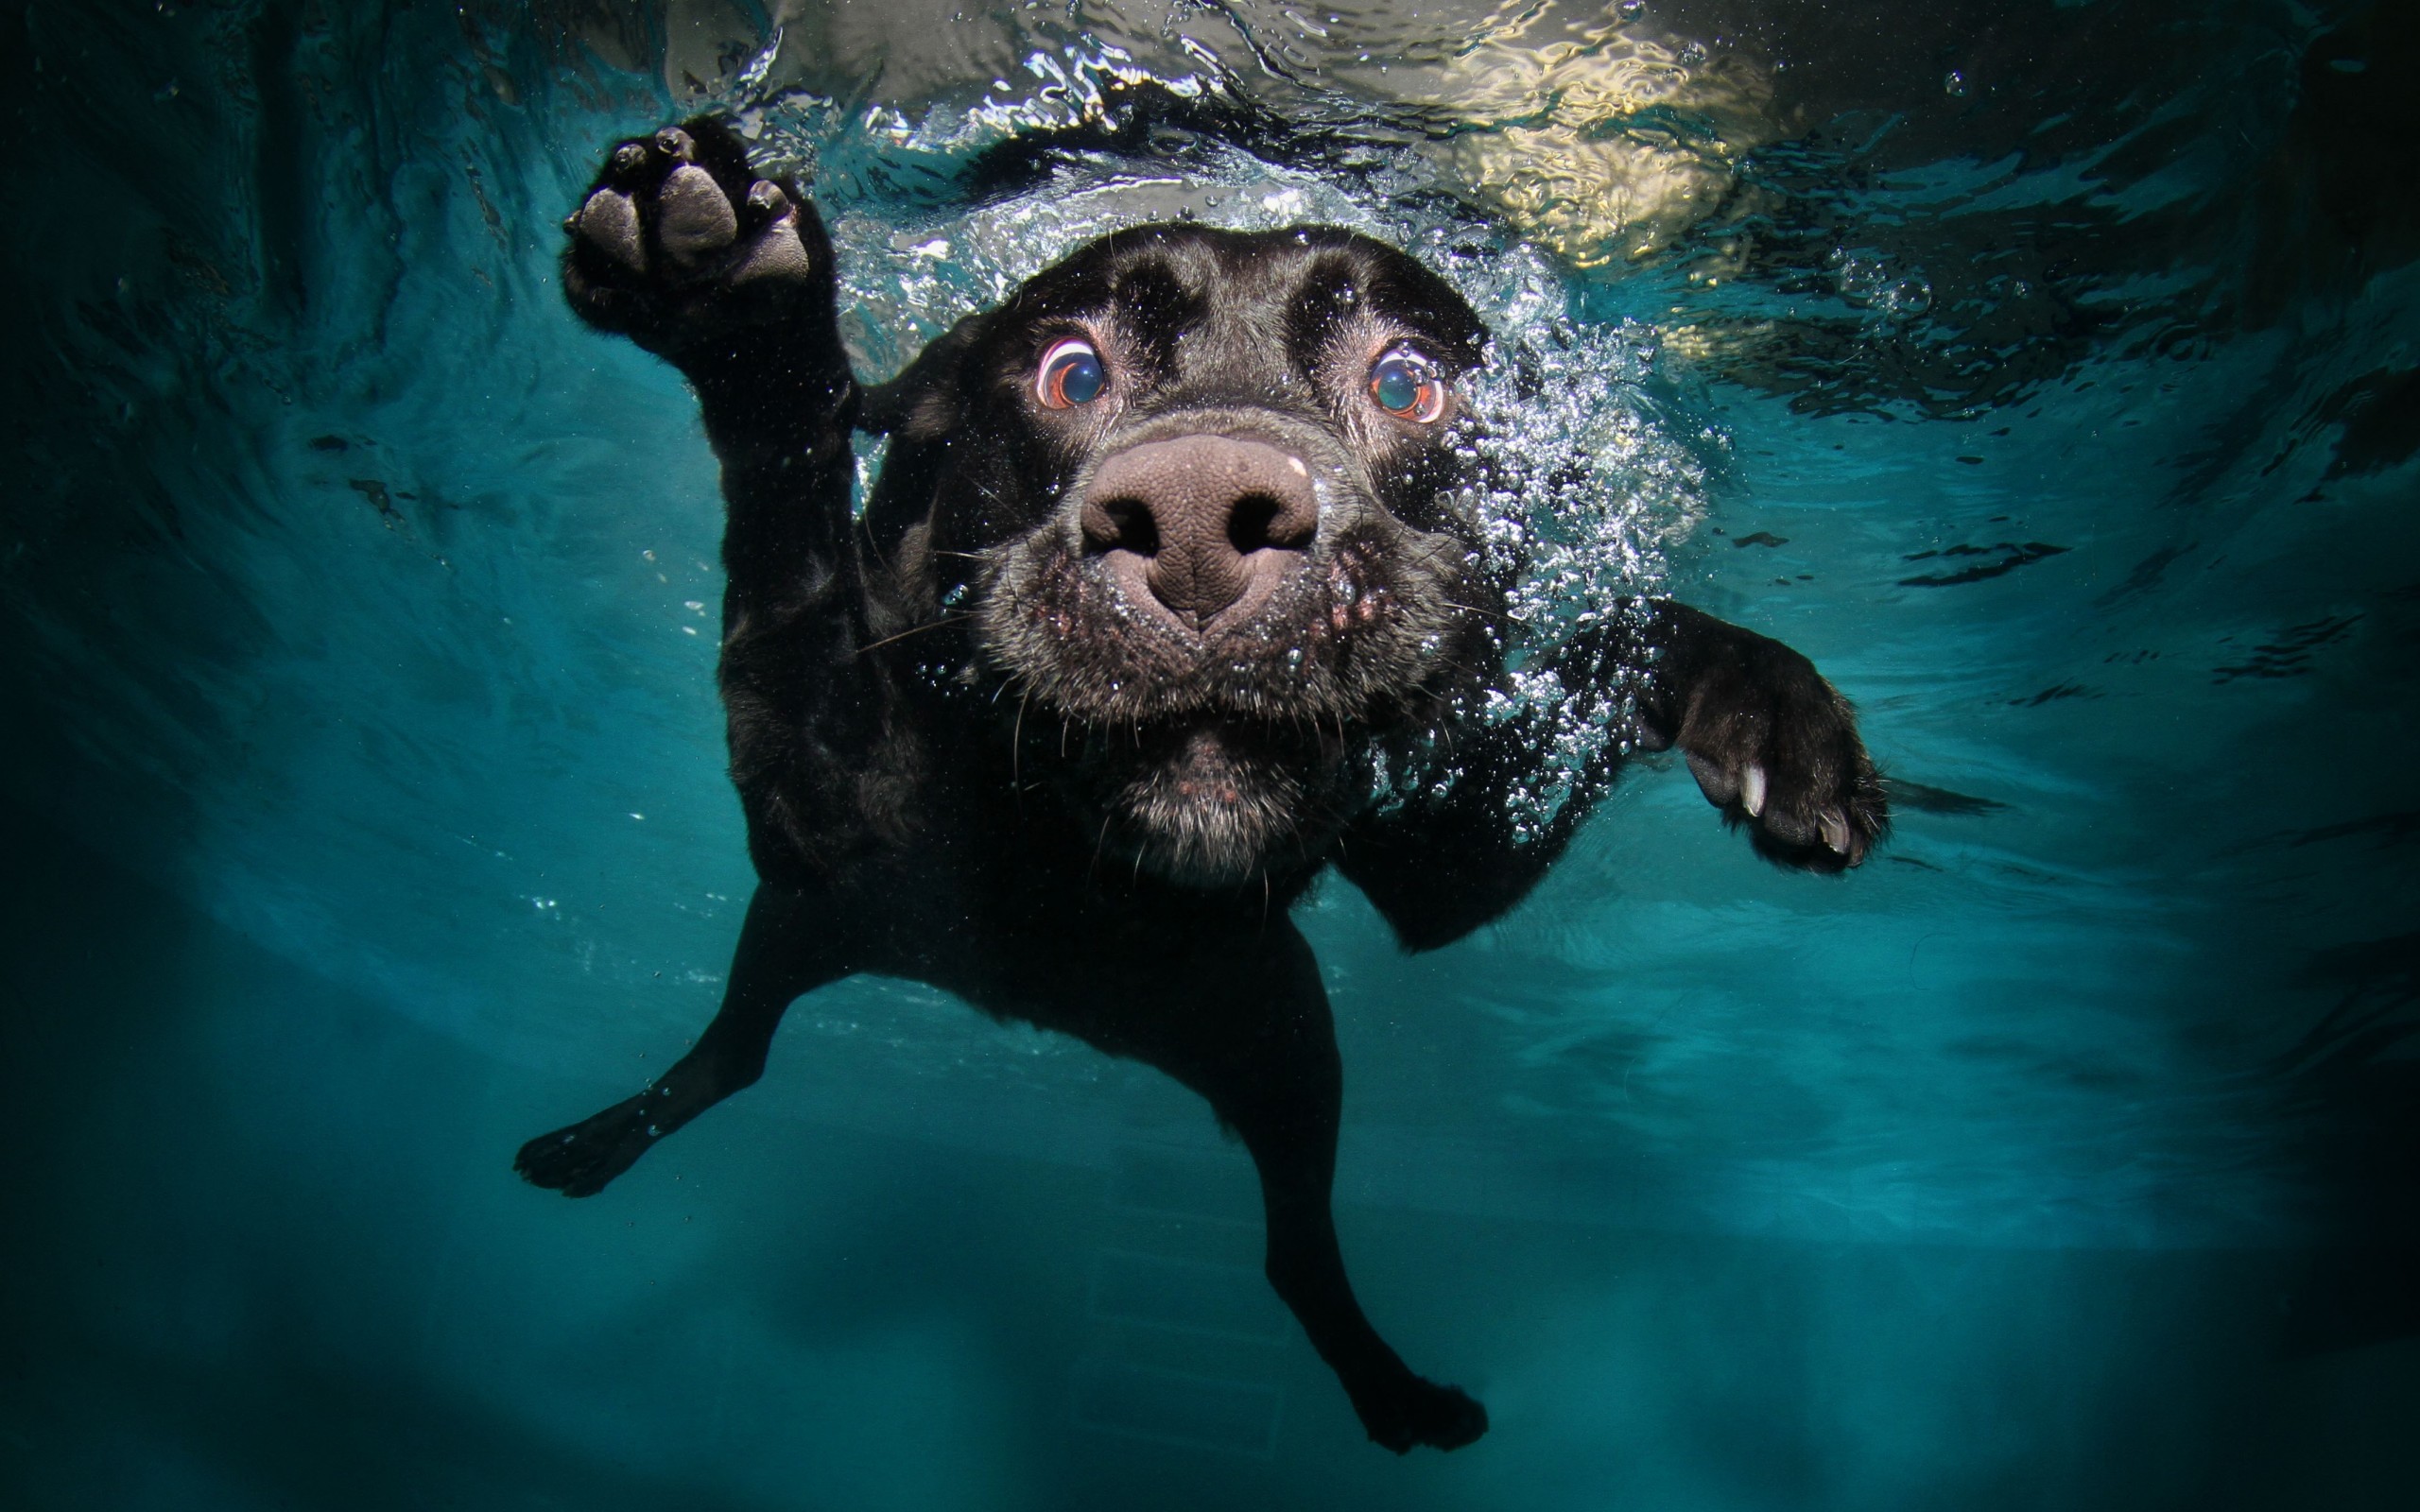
(1330, 290)
(1155, 305)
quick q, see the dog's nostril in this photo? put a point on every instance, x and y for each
(1122, 524)
(1248, 523)
(1285, 518)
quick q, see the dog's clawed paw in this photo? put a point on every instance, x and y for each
(578, 1160)
(1409, 1412)
(1776, 747)
(679, 245)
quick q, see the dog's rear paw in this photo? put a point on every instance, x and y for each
(579, 1160)
(1410, 1412)
(679, 245)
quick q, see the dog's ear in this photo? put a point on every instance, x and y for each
(925, 401)
(920, 410)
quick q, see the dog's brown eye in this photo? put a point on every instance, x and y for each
(1405, 382)
(1070, 374)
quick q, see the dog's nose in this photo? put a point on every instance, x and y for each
(1207, 516)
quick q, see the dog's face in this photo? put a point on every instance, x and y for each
(1205, 496)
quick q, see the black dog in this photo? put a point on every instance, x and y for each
(1169, 596)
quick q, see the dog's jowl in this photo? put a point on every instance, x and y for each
(1170, 597)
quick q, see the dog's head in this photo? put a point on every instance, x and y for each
(1203, 498)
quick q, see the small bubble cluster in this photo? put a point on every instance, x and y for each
(1868, 281)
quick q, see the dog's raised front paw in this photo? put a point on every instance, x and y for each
(679, 245)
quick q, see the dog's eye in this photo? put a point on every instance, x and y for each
(1071, 375)
(1405, 382)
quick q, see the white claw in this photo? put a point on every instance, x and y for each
(1751, 790)
(1836, 831)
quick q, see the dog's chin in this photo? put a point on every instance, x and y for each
(1216, 804)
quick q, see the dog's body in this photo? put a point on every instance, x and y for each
(1168, 598)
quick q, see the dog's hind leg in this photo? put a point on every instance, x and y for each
(1273, 1076)
(785, 951)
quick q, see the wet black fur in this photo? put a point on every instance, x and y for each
(966, 759)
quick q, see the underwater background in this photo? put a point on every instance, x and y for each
(2049, 372)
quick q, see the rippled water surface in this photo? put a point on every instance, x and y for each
(2049, 373)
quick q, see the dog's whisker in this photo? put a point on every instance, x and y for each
(916, 629)
(1495, 614)
(1016, 740)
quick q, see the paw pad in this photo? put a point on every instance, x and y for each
(679, 244)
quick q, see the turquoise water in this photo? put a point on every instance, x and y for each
(2047, 372)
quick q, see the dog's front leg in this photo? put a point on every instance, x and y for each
(682, 248)
(785, 951)
(1771, 742)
